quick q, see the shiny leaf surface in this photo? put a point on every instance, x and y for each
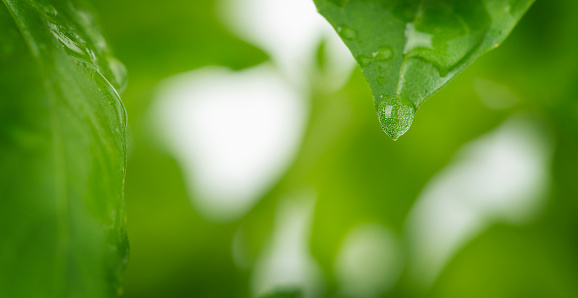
(62, 153)
(410, 49)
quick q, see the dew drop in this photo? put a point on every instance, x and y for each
(71, 46)
(383, 54)
(347, 32)
(364, 60)
(48, 9)
(118, 71)
(396, 115)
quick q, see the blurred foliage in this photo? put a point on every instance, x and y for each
(174, 252)
(359, 175)
(156, 39)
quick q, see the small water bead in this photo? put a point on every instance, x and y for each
(364, 60)
(383, 54)
(347, 33)
(395, 115)
(118, 72)
(48, 8)
(60, 34)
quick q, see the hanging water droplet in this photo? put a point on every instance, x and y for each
(347, 32)
(396, 115)
(383, 54)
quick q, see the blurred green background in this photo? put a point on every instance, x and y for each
(478, 199)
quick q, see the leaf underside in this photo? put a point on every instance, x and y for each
(62, 153)
(410, 49)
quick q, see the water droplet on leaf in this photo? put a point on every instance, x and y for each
(396, 115)
(347, 32)
(49, 9)
(118, 71)
(364, 60)
(383, 54)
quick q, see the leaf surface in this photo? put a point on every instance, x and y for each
(62, 153)
(410, 49)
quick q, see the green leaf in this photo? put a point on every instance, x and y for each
(62, 153)
(410, 49)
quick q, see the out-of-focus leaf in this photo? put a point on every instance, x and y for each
(156, 39)
(62, 153)
(545, 75)
(180, 35)
(535, 260)
(409, 49)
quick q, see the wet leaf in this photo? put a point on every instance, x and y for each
(62, 153)
(410, 49)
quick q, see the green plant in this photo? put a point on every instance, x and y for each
(63, 125)
(408, 50)
(62, 153)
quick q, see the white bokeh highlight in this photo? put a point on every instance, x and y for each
(500, 177)
(286, 262)
(369, 262)
(233, 133)
(290, 32)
